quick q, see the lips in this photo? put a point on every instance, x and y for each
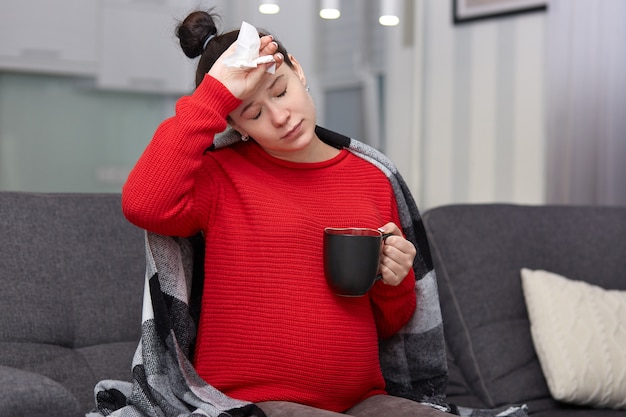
(293, 132)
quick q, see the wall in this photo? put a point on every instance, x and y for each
(475, 131)
(62, 134)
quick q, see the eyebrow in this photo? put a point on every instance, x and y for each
(269, 88)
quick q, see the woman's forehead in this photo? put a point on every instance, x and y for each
(282, 74)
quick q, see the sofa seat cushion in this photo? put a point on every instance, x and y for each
(29, 394)
(76, 370)
(579, 333)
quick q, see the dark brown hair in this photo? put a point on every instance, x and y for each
(199, 26)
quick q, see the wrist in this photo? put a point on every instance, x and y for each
(216, 95)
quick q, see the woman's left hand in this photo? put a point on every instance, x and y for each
(397, 257)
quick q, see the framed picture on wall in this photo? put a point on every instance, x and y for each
(464, 11)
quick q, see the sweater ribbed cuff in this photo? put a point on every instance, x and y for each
(215, 96)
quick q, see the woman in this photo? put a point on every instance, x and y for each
(271, 332)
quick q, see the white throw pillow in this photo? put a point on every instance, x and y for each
(579, 333)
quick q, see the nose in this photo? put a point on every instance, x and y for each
(279, 115)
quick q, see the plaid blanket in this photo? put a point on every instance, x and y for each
(164, 381)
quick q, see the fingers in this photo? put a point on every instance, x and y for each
(397, 260)
(389, 277)
(270, 47)
(397, 257)
(391, 228)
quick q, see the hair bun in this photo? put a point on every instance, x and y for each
(194, 31)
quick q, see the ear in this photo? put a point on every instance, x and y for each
(297, 68)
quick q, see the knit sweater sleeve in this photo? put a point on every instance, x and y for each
(159, 192)
(393, 306)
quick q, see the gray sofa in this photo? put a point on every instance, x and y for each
(71, 273)
(478, 251)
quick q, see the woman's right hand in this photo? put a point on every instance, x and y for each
(242, 82)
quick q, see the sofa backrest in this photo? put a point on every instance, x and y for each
(71, 278)
(478, 251)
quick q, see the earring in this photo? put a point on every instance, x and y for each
(245, 137)
(307, 89)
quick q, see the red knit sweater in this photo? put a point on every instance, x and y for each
(270, 328)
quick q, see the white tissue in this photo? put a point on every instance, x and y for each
(246, 53)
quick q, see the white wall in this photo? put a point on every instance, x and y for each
(475, 130)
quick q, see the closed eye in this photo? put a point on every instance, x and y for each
(282, 94)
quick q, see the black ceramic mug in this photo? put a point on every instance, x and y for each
(352, 259)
